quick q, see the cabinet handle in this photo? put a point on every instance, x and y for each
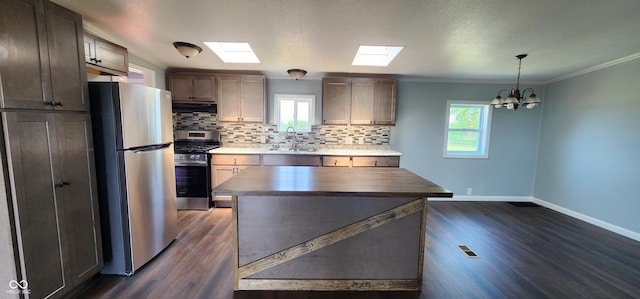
(335, 163)
(62, 184)
(234, 162)
(375, 163)
(96, 60)
(53, 103)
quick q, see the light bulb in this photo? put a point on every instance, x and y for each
(497, 105)
(530, 105)
(510, 106)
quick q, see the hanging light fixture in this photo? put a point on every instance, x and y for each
(186, 49)
(515, 99)
(296, 73)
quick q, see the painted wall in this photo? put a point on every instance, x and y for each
(160, 81)
(589, 158)
(419, 135)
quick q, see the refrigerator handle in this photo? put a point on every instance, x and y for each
(147, 148)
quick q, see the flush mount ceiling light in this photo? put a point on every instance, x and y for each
(296, 73)
(376, 55)
(515, 99)
(186, 49)
(233, 52)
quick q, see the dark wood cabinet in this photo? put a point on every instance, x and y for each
(41, 69)
(51, 162)
(48, 147)
(241, 98)
(187, 87)
(358, 101)
(104, 56)
(336, 101)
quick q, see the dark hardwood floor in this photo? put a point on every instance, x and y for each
(523, 252)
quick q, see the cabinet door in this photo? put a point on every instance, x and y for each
(336, 161)
(204, 88)
(384, 108)
(24, 63)
(89, 48)
(31, 137)
(69, 77)
(112, 56)
(336, 101)
(391, 161)
(77, 174)
(219, 175)
(362, 91)
(180, 87)
(253, 99)
(229, 97)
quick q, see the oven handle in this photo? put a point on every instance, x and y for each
(193, 163)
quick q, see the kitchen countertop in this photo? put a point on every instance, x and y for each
(330, 181)
(319, 152)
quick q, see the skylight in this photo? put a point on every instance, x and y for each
(376, 55)
(233, 52)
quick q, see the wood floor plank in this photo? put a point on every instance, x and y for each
(527, 252)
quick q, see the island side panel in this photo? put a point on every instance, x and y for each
(387, 255)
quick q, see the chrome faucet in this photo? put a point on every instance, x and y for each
(294, 139)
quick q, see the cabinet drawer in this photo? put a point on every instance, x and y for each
(392, 161)
(235, 160)
(338, 161)
(291, 160)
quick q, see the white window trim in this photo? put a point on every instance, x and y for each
(487, 125)
(306, 97)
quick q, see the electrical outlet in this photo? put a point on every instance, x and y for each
(361, 140)
(263, 139)
(469, 191)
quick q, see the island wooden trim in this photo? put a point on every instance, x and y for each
(330, 284)
(423, 237)
(234, 223)
(328, 239)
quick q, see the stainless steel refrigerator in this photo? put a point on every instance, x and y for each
(133, 135)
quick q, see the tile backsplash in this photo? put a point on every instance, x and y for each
(258, 135)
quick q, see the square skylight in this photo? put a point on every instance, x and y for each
(233, 52)
(376, 55)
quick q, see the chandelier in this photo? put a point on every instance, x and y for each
(515, 98)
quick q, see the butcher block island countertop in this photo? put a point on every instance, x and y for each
(315, 228)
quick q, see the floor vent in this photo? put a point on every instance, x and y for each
(467, 251)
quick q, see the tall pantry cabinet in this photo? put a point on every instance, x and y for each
(47, 148)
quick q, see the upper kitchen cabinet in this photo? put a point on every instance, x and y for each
(241, 98)
(359, 101)
(41, 67)
(190, 87)
(105, 57)
(336, 101)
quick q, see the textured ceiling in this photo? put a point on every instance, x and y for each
(444, 39)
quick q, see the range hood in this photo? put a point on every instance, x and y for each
(194, 107)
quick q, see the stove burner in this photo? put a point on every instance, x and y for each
(193, 148)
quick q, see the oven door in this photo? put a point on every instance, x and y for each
(192, 185)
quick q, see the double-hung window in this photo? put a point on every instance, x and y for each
(467, 130)
(295, 111)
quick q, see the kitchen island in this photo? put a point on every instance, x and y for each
(315, 228)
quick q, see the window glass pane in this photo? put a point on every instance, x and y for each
(286, 114)
(464, 117)
(303, 115)
(463, 141)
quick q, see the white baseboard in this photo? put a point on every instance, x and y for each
(481, 198)
(597, 222)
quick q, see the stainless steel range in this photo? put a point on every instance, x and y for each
(193, 171)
